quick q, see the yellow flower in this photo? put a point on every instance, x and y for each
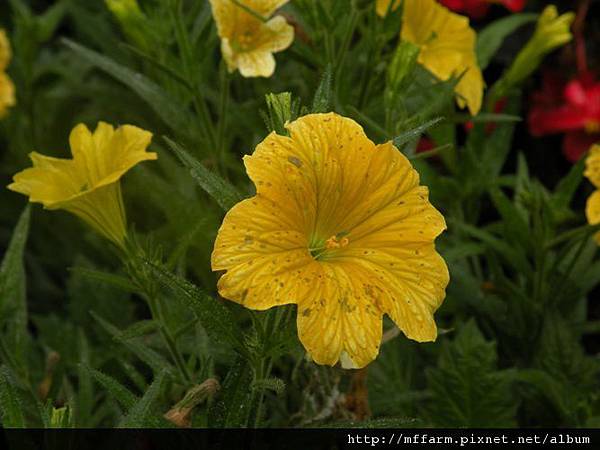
(247, 41)
(551, 32)
(383, 6)
(88, 185)
(132, 20)
(592, 172)
(447, 47)
(7, 88)
(340, 227)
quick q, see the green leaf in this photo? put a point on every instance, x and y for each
(10, 401)
(13, 301)
(563, 194)
(119, 392)
(276, 385)
(322, 99)
(142, 414)
(222, 191)
(136, 346)
(138, 329)
(415, 133)
(112, 279)
(163, 105)
(498, 144)
(511, 255)
(491, 37)
(214, 317)
(514, 222)
(232, 408)
(281, 109)
(484, 117)
(85, 392)
(467, 389)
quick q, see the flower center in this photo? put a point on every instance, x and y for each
(333, 242)
(323, 248)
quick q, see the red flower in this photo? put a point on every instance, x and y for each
(479, 8)
(570, 107)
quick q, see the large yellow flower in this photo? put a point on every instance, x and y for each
(7, 88)
(340, 227)
(247, 41)
(447, 47)
(88, 185)
(592, 172)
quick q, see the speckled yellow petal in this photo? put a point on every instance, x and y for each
(338, 320)
(447, 47)
(264, 254)
(592, 211)
(592, 165)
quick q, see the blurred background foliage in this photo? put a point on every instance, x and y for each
(80, 346)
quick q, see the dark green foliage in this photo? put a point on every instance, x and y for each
(92, 336)
(467, 389)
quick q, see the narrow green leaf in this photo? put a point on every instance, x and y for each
(276, 385)
(514, 222)
(142, 414)
(119, 392)
(232, 408)
(163, 105)
(222, 191)
(415, 133)
(563, 194)
(138, 329)
(112, 279)
(216, 319)
(510, 254)
(498, 145)
(136, 346)
(13, 301)
(491, 37)
(10, 401)
(486, 118)
(85, 392)
(322, 99)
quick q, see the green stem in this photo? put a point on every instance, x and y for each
(223, 106)
(176, 356)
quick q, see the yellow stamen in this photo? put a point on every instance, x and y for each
(333, 242)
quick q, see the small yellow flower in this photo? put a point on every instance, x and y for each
(383, 6)
(7, 88)
(340, 227)
(551, 32)
(447, 47)
(132, 20)
(88, 185)
(247, 41)
(592, 172)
